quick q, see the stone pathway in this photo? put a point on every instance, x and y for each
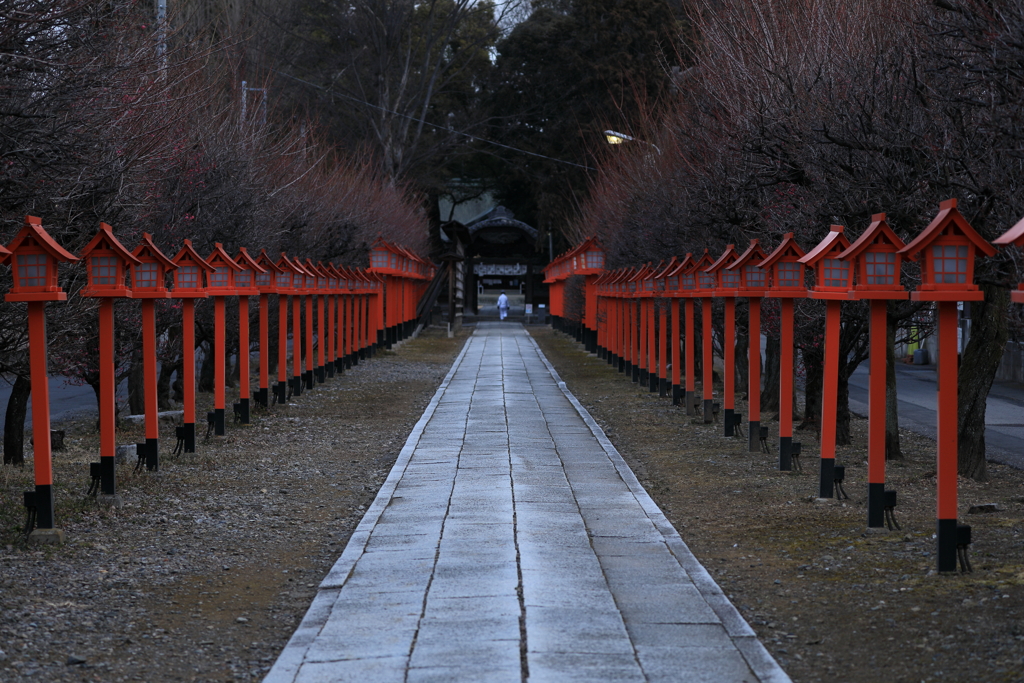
(511, 542)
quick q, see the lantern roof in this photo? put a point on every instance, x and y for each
(1014, 235)
(220, 257)
(284, 263)
(244, 260)
(702, 263)
(727, 257)
(877, 233)
(32, 233)
(189, 253)
(104, 239)
(754, 252)
(787, 248)
(669, 267)
(267, 262)
(949, 219)
(835, 239)
(147, 249)
(682, 265)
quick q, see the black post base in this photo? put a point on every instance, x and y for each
(708, 411)
(677, 394)
(218, 421)
(620, 364)
(753, 435)
(321, 374)
(44, 506)
(348, 361)
(663, 388)
(643, 377)
(636, 374)
(153, 455)
(308, 379)
(730, 422)
(946, 551)
(243, 411)
(282, 392)
(785, 453)
(330, 369)
(690, 399)
(189, 437)
(653, 381)
(827, 482)
(107, 480)
(297, 385)
(263, 397)
(876, 505)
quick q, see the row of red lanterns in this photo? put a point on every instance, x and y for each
(358, 310)
(619, 325)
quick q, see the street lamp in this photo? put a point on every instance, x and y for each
(615, 138)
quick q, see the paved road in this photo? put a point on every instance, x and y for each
(916, 391)
(510, 543)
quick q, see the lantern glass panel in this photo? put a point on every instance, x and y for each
(706, 280)
(835, 272)
(755, 276)
(673, 282)
(880, 268)
(394, 261)
(219, 277)
(730, 278)
(789, 274)
(379, 259)
(950, 264)
(321, 282)
(104, 270)
(595, 259)
(284, 279)
(31, 270)
(243, 278)
(263, 279)
(688, 281)
(188, 277)
(146, 275)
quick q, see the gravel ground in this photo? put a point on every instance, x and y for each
(206, 570)
(829, 600)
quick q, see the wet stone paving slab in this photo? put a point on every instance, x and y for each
(511, 542)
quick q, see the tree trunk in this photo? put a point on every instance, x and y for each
(814, 370)
(843, 405)
(978, 367)
(206, 370)
(136, 385)
(892, 418)
(742, 375)
(14, 426)
(772, 368)
(163, 384)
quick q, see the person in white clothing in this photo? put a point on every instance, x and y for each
(502, 305)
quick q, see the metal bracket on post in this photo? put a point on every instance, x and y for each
(179, 446)
(838, 477)
(889, 500)
(963, 540)
(95, 473)
(763, 436)
(794, 454)
(211, 421)
(30, 511)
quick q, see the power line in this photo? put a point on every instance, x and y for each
(432, 125)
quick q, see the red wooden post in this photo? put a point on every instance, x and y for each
(651, 323)
(220, 284)
(674, 289)
(107, 262)
(266, 282)
(727, 283)
(752, 285)
(702, 285)
(149, 283)
(34, 258)
(245, 286)
(346, 293)
(659, 290)
(948, 245)
(833, 285)
(331, 296)
(787, 282)
(286, 278)
(635, 325)
(188, 286)
(298, 287)
(876, 269)
(309, 289)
